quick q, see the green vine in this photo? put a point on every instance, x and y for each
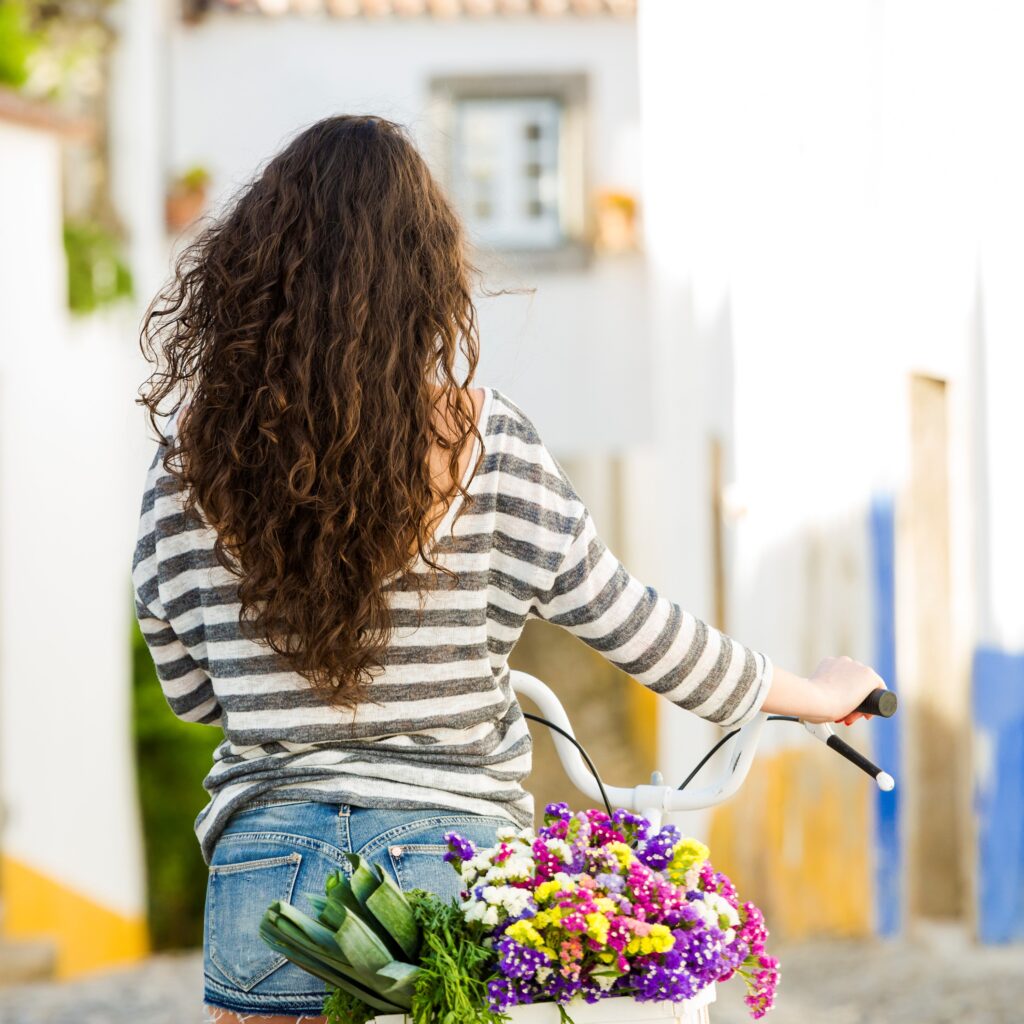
(17, 43)
(97, 275)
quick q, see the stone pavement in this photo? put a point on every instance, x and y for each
(833, 982)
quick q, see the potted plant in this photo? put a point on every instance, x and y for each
(594, 917)
(186, 197)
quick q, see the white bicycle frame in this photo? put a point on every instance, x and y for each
(655, 799)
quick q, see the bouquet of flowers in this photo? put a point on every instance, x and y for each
(605, 906)
(589, 906)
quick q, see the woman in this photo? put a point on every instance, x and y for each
(341, 541)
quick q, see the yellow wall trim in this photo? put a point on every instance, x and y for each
(87, 935)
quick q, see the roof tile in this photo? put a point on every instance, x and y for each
(418, 8)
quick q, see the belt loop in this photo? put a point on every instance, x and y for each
(344, 835)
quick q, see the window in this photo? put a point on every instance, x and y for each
(510, 151)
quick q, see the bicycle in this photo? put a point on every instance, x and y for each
(655, 799)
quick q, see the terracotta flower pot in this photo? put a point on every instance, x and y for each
(184, 207)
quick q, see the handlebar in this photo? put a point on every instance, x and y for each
(878, 702)
(655, 799)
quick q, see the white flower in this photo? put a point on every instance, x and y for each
(722, 908)
(707, 913)
(515, 867)
(604, 981)
(542, 973)
(474, 910)
(561, 847)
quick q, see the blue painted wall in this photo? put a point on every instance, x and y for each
(886, 732)
(998, 704)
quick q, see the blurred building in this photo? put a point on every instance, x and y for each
(788, 400)
(70, 865)
(529, 113)
(835, 232)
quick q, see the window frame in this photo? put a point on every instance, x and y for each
(575, 215)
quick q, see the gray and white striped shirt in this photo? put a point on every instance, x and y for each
(444, 728)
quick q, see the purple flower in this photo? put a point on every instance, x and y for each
(635, 826)
(655, 980)
(685, 916)
(505, 992)
(700, 951)
(516, 960)
(459, 848)
(557, 812)
(560, 988)
(656, 851)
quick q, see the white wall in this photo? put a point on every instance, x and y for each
(66, 527)
(835, 207)
(576, 354)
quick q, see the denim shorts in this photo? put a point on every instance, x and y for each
(277, 850)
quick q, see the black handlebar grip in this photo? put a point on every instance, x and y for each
(879, 702)
(855, 756)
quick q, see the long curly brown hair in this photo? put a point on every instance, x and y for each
(314, 331)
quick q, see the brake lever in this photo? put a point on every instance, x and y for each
(824, 732)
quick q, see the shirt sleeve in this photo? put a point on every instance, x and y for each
(657, 642)
(185, 683)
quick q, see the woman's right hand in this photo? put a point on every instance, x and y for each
(843, 683)
(836, 687)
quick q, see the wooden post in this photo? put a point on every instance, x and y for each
(937, 723)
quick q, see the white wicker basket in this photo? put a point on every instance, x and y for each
(618, 1010)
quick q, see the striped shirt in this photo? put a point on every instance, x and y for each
(443, 728)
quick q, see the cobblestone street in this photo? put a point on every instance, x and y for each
(839, 983)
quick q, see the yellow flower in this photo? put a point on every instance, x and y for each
(597, 927)
(658, 940)
(546, 890)
(688, 853)
(621, 852)
(661, 938)
(524, 932)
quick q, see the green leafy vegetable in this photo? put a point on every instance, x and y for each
(381, 950)
(454, 966)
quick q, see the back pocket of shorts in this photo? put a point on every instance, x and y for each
(422, 866)
(238, 896)
(417, 858)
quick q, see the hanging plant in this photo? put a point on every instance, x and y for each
(17, 43)
(97, 274)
